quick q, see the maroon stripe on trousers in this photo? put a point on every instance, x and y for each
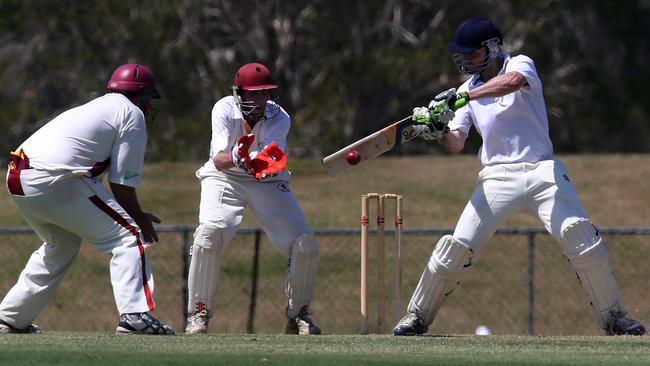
(125, 224)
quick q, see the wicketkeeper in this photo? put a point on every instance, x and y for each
(506, 107)
(55, 179)
(247, 167)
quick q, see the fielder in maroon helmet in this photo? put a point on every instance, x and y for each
(138, 84)
(246, 166)
(252, 89)
(65, 162)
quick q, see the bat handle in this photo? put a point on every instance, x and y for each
(459, 103)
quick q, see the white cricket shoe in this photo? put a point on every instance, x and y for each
(5, 328)
(197, 322)
(302, 325)
(142, 323)
(619, 324)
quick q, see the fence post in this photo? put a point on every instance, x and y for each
(254, 275)
(531, 283)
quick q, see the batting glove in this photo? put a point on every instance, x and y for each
(427, 125)
(440, 112)
(444, 104)
(424, 126)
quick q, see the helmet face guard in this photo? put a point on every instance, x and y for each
(253, 77)
(492, 52)
(247, 107)
(254, 110)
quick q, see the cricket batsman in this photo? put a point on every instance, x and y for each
(506, 107)
(246, 167)
(55, 179)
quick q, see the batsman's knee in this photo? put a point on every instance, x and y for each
(451, 254)
(582, 243)
(305, 247)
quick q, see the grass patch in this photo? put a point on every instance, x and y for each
(91, 349)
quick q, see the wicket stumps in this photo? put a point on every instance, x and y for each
(381, 282)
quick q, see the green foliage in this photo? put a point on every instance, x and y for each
(345, 69)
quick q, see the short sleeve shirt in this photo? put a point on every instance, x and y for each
(228, 125)
(107, 133)
(514, 127)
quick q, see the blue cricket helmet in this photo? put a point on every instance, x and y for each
(473, 34)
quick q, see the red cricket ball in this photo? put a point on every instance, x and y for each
(353, 157)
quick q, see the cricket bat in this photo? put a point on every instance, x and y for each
(376, 144)
(370, 146)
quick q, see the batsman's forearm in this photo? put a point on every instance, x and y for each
(499, 86)
(453, 141)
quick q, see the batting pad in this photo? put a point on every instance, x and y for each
(588, 255)
(204, 269)
(302, 273)
(448, 261)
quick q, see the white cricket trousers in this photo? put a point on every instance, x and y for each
(542, 189)
(79, 209)
(224, 198)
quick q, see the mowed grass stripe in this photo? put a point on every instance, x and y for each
(89, 349)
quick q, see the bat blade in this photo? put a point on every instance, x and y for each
(379, 142)
(371, 146)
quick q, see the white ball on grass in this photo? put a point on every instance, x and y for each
(482, 330)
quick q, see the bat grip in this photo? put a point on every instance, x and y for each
(459, 103)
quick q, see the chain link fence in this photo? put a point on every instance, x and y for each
(521, 283)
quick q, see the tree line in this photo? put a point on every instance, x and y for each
(345, 68)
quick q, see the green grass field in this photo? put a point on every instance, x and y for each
(91, 349)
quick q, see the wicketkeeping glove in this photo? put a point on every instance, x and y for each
(239, 153)
(269, 162)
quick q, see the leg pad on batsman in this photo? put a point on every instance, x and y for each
(449, 259)
(586, 250)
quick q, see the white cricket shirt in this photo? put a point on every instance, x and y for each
(228, 125)
(108, 132)
(514, 127)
